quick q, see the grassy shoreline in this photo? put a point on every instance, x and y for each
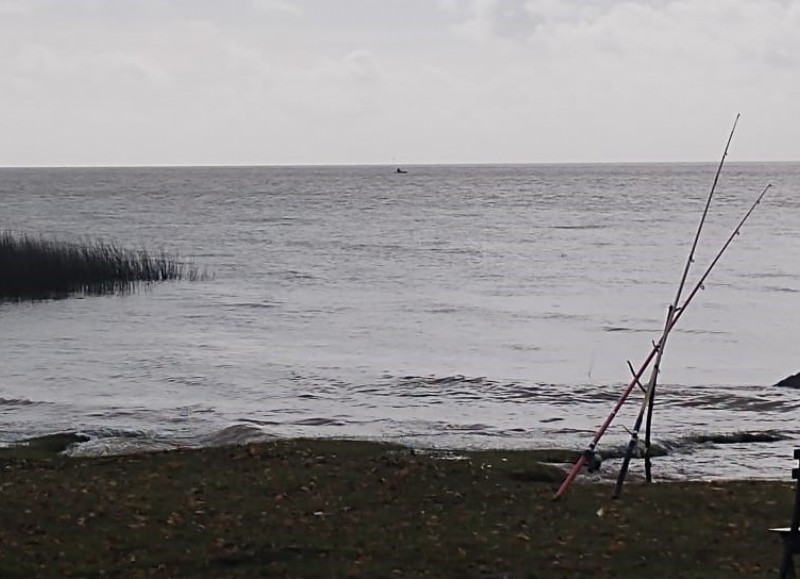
(333, 508)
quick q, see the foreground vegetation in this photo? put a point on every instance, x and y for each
(39, 268)
(325, 508)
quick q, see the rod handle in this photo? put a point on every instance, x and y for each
(576, 468)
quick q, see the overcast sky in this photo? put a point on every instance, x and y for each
(199, 82)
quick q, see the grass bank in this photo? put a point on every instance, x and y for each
(326, 508)
(40, 268)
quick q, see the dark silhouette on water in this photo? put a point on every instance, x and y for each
(399, 170)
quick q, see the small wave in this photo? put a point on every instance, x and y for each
(444, 389)
(458, 378)
(298, 275)
(319, 421)
(562, 316)
(443, 310)
(455, 250)
(19, 402)
(655, 331)
(687, 444)
(288, 220)
(578, 227)
(308, 396)
(736, 402)
(237, 434)
(260, 422)
(112, 442)
(656, 450)
(478, 427)
(741, 437)
(109, 433)
(451, 387)
(699, 331)
(524, 348)
(627, 329)
(118, 446)
(112, 413)
(449, 432)
(250, 305)
(584, 394)
(770, 275)
(780, 289)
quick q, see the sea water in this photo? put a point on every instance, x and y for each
(448, 307)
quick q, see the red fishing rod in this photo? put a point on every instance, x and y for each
(658, 349)
(650, 391)
(648, 394)
(589, 452)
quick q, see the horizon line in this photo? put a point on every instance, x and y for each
(432, 164)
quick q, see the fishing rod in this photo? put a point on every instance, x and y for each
(648, 476)
(648, 400)
(650, 392)
(588, 454)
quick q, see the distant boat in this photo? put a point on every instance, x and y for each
(399, 170)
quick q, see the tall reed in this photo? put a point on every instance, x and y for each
(38, 268)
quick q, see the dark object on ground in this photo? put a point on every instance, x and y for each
(329, 508)
(790, 381)
(791, 535)
(40, 447)
(50, 444)
(38, 268)
(593, 460)
(737, 437)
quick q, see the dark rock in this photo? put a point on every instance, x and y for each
(737, 437)
(790, 381)
(55, 443)
(40, 447)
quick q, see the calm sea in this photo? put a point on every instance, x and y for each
(449, 307)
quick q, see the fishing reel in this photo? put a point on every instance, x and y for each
(593, 460)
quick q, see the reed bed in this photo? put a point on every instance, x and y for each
(34, 268)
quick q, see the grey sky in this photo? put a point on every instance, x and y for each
(140, 82)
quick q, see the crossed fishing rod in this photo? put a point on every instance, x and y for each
(674, 312)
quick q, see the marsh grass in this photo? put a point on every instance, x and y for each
(38, 268)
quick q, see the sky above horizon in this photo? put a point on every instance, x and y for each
(397, 82)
